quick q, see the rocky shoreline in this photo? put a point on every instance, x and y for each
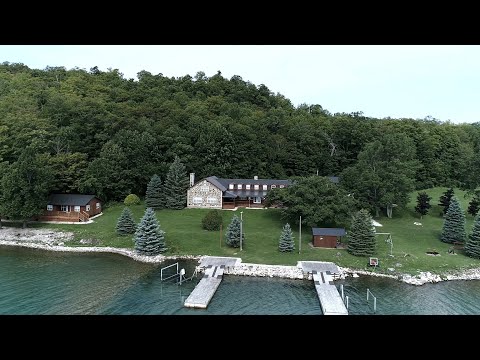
(55, 241)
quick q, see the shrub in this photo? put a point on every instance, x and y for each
(131, 199)
(212, 220)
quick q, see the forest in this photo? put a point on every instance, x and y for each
(92, 131)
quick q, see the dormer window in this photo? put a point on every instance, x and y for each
(247, 187)
(255, 186)
(230, 186)
(273, 186)
(282, 186)
(239, 186)
(264, 187)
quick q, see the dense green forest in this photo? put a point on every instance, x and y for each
(98, 132)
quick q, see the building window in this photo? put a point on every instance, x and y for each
(197, 199)
(87, 208)
(247, 187)
(97, 205)
(64, 208)
(264, 187)
(204, 188)
(230, 186)
(255, 186)
(49, 207)
(239, 186)
(273, 186)
(257, 200)
(282, 186)
(76, 208)
(212, 200)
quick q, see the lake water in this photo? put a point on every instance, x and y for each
(42, 282)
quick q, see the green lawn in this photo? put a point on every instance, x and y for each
(262, 228)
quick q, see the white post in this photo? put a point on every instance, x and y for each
(367, 294)
(341, 288)
(374, 304)
(241, 225)
(346, 301)
(300, 237)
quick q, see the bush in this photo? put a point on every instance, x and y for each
(212, 220)
(131, 199)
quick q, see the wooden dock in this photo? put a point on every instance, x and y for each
(322, 272)
(214, 267)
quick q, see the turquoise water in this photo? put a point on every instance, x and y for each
(41, 282)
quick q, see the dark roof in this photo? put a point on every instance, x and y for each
(328, 231)
(215, 181)
(69, 199)
(226, 182)
(245, 193)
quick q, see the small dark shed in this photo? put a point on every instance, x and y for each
(327, 237)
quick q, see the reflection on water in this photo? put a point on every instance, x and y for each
(40, 282)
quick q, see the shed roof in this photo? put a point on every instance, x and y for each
(328, 231)
(70, 199)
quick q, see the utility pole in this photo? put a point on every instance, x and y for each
(241, 229)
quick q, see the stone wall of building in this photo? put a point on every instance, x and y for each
(204, 195)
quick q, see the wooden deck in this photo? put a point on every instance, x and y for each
(214, 267)
(330, 300)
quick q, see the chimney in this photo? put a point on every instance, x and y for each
(192, 179)
(255, 177)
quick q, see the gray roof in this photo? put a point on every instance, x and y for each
(226, 182)
(329, 231)
(334, 179)
(215, 181)
(69, 199)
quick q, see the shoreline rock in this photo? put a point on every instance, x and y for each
(55, 241)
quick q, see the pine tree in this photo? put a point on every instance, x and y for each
(149, 238)
(176, 185)
(474, 205)
(423, 203)
(472, 245)
(361, 238)
(445, 199)
(126, 224)
(154, 197)
(232, 236)
(454, 224)
(286, 242)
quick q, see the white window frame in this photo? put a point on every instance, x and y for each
(97, 205)
(49, 207)
(230, 186)
(257, 200)
(247, 187)
(282, 186)
(197, 199)
(256, 187)
(64, 208)
(87, 208)
(204, 188)
(273, 186)
(212, 200)
(239, 186)
(76, 208)
(264, 187)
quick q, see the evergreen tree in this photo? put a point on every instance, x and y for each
(232, 236)
(445, 199)
(176, 185)
(423, 203)
(286, 242)
(454, 225)
(126, 224)
(212, 220)
(472, 245)
(154, 197)
(474, 205)
(149, 238)
(361, 238)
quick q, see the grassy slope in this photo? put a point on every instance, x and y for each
(262, 229)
